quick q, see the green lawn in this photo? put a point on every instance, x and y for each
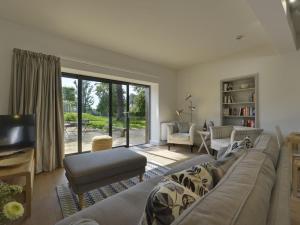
(101, 122)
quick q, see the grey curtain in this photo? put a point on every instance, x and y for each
(36, 89)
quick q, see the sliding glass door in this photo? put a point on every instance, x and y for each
(95, 111)
(119, 115)
(94, 107)
(139, 107)
(70, 104)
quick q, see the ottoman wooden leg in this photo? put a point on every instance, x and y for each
(141, 177)
(81, 201)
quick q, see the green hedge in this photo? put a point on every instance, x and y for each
(100, 122)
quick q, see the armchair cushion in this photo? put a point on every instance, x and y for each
(183, 127)
(180, 137)
(177, 137)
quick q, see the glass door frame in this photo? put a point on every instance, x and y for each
(110, 82)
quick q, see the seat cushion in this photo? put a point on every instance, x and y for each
(180, 137)
(90, 167)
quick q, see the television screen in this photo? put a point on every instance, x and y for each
(17, 132)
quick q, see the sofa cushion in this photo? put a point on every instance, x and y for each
(222, 165)
(191, 162)
(166, 202)
(241, 197)
(181, 137)
(197, 179)
(279, 213)
(268, 145)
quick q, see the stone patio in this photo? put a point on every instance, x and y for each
(136, 137)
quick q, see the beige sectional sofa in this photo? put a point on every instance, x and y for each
(254, 191)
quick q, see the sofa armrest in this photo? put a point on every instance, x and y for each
(221, 132)
(170, 129)
(192, 133)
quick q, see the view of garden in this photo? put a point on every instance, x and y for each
(95, 113)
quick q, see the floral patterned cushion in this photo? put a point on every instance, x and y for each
(166, 202)
(197, 178)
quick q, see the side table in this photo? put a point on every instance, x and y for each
(25, 169)
(205, 135)
(293, 141)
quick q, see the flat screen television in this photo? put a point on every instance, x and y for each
(17, 133)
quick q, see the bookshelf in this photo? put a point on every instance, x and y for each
(239, 101)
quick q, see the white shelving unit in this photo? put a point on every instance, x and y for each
(239, 101)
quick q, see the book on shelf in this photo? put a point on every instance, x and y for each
(249, 123)
(242, 111)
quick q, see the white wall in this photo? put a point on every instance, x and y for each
(99, 62)
(279, 87)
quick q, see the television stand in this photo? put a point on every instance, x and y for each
(16, 166)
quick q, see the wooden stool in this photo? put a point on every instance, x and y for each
(102, 142)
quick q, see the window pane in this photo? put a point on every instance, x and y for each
(95, 111)
(139, 109)
(119, 114)
(69, 90)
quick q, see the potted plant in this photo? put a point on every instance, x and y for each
(10, 209)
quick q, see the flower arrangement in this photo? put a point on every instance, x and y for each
(9, 208)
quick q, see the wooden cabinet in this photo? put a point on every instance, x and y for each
(293, 141)
(20, 165)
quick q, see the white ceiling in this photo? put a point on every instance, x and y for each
(173, 33)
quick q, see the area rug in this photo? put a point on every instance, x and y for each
(68, 200)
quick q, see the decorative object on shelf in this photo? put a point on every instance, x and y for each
(239, 101)
(244, 86)
(10, 209)
(191, 106)
(179, 114)
(204, 126)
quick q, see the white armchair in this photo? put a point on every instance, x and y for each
(181, 135)
(223, 136)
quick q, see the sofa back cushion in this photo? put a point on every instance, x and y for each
(279, 213)
(268, 145)
(242, 197)
(239, 133)
(183, 127)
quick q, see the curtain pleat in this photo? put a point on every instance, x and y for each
(36, 89)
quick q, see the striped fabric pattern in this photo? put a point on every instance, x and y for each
(69, 202)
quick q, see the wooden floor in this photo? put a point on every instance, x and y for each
(46, 209)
